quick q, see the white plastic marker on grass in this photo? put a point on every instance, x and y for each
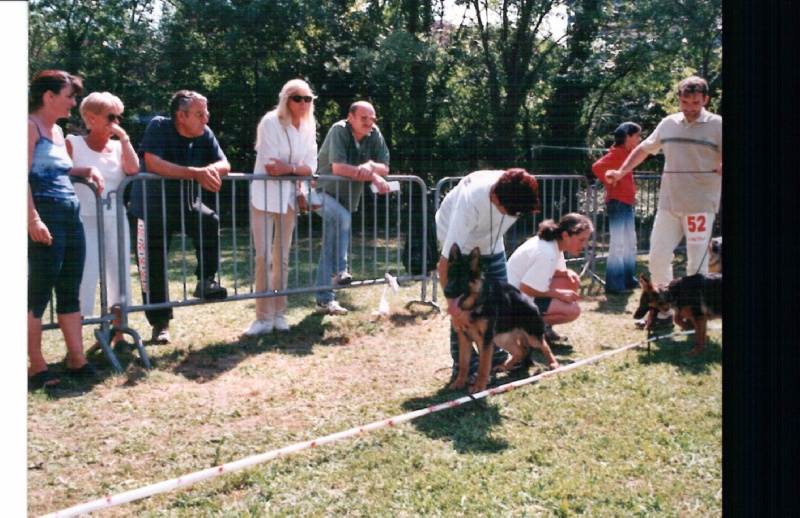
(383, 307)
(175, 483)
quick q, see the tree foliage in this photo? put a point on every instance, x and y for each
(456, 86)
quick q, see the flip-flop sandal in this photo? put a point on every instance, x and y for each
(86, 371)
(44, 378)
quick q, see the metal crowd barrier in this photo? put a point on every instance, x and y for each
(562, 194)
(381, 232)
(380, 229)
(559, 195)
(646, 202)
(104, 320)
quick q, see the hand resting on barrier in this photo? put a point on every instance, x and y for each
(208, 177)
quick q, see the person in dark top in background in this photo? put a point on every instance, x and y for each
(182, 147)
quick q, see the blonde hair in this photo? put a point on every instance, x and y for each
(97, 103)
(309, 129)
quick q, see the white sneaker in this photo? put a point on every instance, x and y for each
(331, 308)
(259, 327)
(280, 324)
(342, 279)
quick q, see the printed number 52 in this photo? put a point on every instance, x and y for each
(696, 223)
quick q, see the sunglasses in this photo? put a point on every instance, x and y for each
(298, 98)
(113, 117)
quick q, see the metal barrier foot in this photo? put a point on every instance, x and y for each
(102, 343)
(425, 303)
(137, 340)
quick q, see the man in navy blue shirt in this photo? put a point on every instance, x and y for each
(182, 147)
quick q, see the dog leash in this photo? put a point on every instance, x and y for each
(705, 253)
(493, 241)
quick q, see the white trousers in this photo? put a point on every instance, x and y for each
(91, 268)
(668, 229)
(276, 230)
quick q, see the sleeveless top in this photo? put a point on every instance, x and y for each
(110, 166)
(49, 170)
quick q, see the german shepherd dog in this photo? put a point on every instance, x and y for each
(696, 299)
(500, 315)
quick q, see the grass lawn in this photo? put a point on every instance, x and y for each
(638, 434)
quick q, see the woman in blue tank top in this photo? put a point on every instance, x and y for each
(56, 245)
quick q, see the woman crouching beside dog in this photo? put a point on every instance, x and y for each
(538, 269)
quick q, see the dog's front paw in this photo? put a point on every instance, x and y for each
(458, 384)
(478, 387)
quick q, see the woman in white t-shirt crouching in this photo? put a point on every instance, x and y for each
(539, 270)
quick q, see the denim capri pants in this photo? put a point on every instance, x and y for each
(59, 265)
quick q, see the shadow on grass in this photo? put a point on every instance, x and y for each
(413, 316)
(675, 352)
(69, 387)
(617, 304)
(468, 425)
(211, 361)
(559, 349)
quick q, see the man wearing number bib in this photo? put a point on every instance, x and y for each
(690, 185)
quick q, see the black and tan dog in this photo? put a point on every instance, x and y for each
(696, 299)
(500, 315)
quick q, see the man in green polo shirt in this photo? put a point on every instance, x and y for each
(354, 149)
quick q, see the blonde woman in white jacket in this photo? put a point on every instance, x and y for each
(286, 145)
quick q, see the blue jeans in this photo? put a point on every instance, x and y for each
(59, 265)
(621, 265)
(493, 267)
(335, 243)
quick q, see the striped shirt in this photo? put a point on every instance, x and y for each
(691, 151)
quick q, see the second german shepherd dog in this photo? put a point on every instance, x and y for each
(696, 299)
(500, 315)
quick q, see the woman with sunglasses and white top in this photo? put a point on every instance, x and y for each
(102, 115)
(285, 145)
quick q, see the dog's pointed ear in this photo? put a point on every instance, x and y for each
(475, 259)
(645, 283)
(455, 253)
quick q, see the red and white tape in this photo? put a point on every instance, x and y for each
(175, 483)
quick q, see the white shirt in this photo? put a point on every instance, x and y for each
(534, 262)
(288, 144)
(468, 217)
(110, 166)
